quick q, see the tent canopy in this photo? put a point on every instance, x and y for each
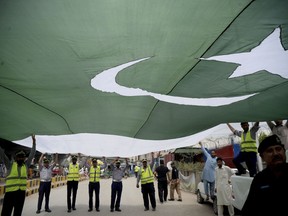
(140, 70)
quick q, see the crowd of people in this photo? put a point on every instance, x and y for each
(18, 173)
(266, 185)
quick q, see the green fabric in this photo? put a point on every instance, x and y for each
(50, 51)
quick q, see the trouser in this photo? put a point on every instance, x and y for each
(220, 210)
(72, 186)
(175, 185)
(14, 199)
(116, 191)
(94, 186)
(148, 191)
(44, 189)
(209, 188)
(162, 190)
(250, 158)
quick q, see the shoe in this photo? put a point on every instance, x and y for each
(171, 199)
(161, 202)
(207, 198)
(146, 209)
(48, 210)
(74, 208)
(69, 210)
(118, 209)
(38, 212)
(111, 210)
(98, 210)
(153, 209)
(89, 210)
(180, 200)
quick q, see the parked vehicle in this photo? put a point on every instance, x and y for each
(201, 196)
(240, 188)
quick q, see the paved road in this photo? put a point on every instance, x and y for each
(132, 203)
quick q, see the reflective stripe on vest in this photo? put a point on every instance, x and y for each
(146, 175)
(94, 174)
(15, 182)
(73, 174)
(249, 144)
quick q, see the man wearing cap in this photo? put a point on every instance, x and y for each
(45, 181)
(146, 176)
(73, 177)
(94, 182)
(16, 180)
(116, 186)
(248, 152)
(281, 131)
(174, 183)
(269, 189)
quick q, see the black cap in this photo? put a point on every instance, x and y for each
(20, 154)
(269, 141)
(74, 157)
(144, 160)
(94, 160)
(118, 162)
(46, 160)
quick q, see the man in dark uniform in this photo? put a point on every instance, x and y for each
(161, 173)
(269, 188)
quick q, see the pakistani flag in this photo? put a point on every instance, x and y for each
(127, 77)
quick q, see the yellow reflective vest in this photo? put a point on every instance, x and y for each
(14, 181)
(136, 169)
(94, 174)
(249, 144)
(73, 174)
(146, 175)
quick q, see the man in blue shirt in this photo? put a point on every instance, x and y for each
(208, 174)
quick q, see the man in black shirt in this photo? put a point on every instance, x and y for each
(161, 175)
(174, 183)
(269, 188)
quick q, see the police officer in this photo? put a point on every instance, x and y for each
(16, 180)
(72, 183)
(146, 176)
(248, 153)
(94, 183)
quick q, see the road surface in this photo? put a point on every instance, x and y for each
(131, 203)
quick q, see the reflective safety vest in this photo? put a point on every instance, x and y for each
(249, 144)
(136, 169)
(146, 175)
(73, 174)
(94, 174)
(15, 182)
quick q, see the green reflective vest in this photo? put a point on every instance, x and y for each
(146, 175)
(94, 174)
(249, 144)
(73, 174)
(15, 181)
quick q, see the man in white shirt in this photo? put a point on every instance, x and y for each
(224, 191)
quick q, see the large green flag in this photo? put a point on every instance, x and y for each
(145, 69)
